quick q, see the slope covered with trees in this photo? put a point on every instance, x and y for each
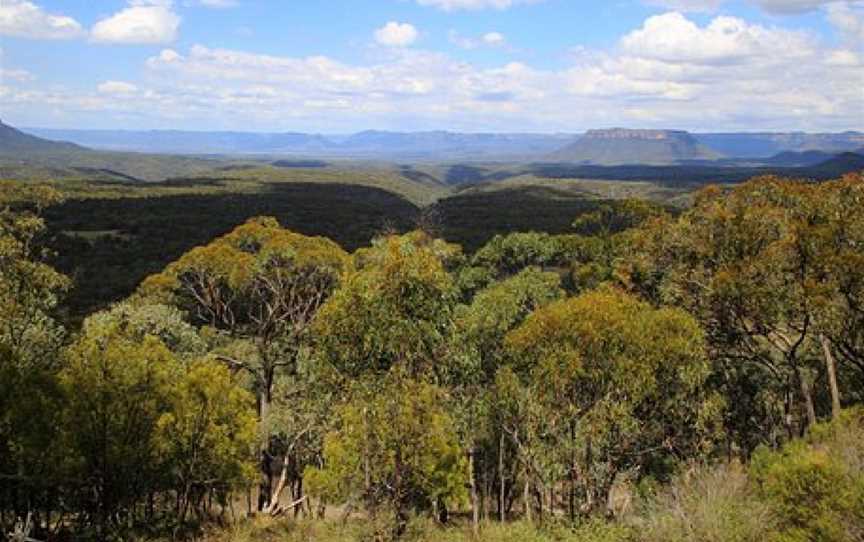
(647, 376)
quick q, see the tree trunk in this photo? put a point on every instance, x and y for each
(831, 368)
(572, 495)
(526, 497)
(788, 407)
(265, 488)
(807, 395)
(501, 486)
(475, 509)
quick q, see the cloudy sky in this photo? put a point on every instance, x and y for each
(337, 66)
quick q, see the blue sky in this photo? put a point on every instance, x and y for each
(473, 65)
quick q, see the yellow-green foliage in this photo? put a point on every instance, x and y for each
(207, 433)
(116, 388)
(395, 309)
(29, 288)
(395, 447)
(815, 486)
(255, 270)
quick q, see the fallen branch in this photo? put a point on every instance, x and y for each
(280, 509)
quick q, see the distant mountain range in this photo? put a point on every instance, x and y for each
(596, 147)
(371, 144)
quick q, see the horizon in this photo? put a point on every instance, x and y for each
(464, 66)
(430, 131)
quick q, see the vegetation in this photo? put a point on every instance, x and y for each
(642, 374)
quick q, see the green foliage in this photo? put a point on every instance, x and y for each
(393, 447)
(620, 384)
(117, 392)
(396, 309)
(29, 289)
(816, 486)
(138, 320)
(502, 306)
(508, 254)
(206, 436)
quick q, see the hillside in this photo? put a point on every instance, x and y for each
(761, 145)
(619, 146)
(15, 141)
(841, 164)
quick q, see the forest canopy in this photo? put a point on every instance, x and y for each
(649, 376)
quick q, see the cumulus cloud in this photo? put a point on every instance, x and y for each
(721, 75)
(395, 34)
(116, 87)
(672, 37)
(24, 19)
(143, 22)
(455, 5)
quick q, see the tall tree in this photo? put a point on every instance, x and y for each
(258, 288)
(621, 388)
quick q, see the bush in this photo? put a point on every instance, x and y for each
(816, 486)
(706, 505)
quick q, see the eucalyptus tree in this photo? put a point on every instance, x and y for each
(483, 324)
(256, 290)
(29, 288)
(30, 342)
(611, 386)
(388, 338)
(771, 269)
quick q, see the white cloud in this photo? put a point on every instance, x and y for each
(724, 74)
(489, 39)
(11, 74)
(674, 38)
(455, 5)
(144, 22)
(24, 19)
(116, 87)
(793, 6)
(849, 21)
(494, 39)
(395, 34)
(779, 7)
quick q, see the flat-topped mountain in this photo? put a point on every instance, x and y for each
(618, 146)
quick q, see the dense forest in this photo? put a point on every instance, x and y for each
(646, 376)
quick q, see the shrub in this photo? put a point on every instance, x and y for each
(706, 505)
(816, 486)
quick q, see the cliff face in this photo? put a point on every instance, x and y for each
(625, 133)
(618, 146)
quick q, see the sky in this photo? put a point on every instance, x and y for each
(339, 66)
